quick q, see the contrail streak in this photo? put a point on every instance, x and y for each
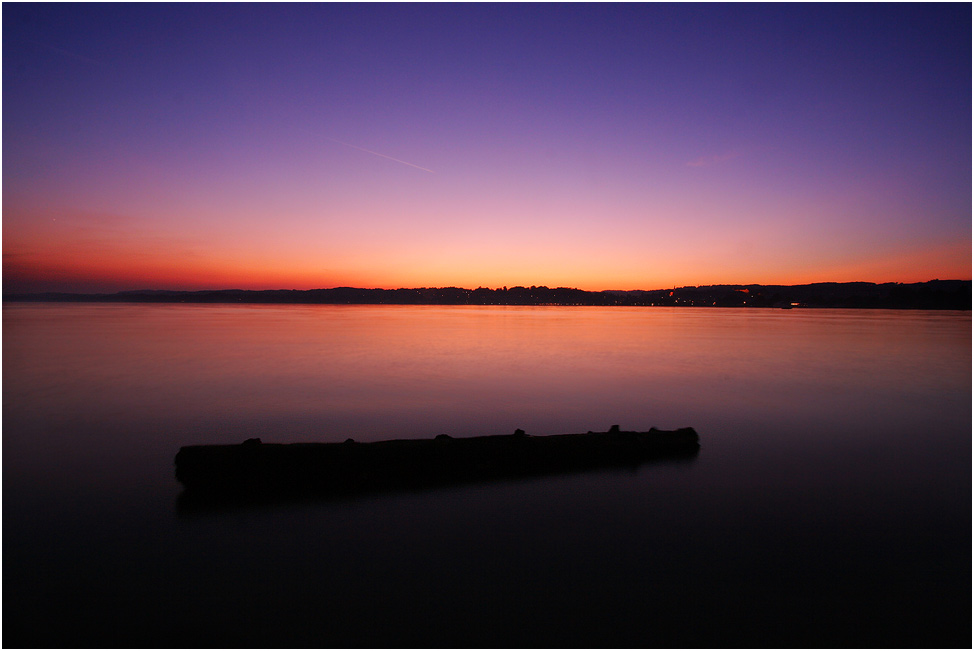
(54, 48)
(375, 153)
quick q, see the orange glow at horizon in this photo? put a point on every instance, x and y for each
(117, 268)
(71, 251)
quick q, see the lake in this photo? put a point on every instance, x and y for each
(830, 503)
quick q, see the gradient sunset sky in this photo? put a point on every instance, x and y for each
(633, 146)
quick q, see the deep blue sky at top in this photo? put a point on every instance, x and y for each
(807, 141)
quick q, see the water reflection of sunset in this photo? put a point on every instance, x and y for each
(347, 370)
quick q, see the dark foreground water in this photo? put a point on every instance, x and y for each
(830, 504)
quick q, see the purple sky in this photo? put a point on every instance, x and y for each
(595, 146)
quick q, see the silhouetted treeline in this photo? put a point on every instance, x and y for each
(931, 295)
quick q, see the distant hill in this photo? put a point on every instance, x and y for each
(931, 295)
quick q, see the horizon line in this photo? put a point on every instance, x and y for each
(502, 287)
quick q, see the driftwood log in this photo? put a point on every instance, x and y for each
(254, 469)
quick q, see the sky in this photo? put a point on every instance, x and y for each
(622, 146)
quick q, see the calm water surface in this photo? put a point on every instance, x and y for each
(830, 503)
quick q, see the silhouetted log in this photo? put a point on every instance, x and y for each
(254, 469)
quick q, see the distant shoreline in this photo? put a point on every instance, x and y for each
(930, 295)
